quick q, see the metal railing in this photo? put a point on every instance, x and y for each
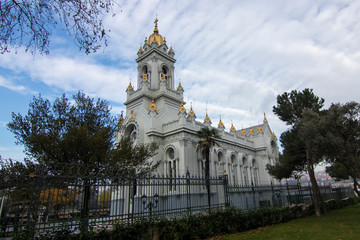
(47, 202)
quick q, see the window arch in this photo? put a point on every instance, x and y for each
(245, 171)
(164, 71)
(221, 163)
(255, 172)
(171, 167)
(233, 169)
(131, 131)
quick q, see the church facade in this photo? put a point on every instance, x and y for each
(155, 112)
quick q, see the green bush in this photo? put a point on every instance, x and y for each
(203, 226)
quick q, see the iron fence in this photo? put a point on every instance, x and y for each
(46, 202)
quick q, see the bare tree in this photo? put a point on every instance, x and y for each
(30, 23)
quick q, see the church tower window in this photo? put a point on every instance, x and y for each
(164, 73)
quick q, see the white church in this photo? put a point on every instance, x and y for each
(155, 112)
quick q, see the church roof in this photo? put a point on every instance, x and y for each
(155, 36)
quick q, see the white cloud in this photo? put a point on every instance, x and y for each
(10, 85)
(233, 57)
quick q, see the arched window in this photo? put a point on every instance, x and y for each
(145, 72)
(245, 171)
(233, 170)
(255, 172)
(221, 164)
(170, 156)
(131, 131)
(165, 71)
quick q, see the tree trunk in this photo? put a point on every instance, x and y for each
(207, 174)
(314, 185)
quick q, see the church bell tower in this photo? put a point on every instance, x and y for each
(155, 62)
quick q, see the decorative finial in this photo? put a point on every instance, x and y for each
(232, 127)
(221, 124)
(131, 115)
(130, 86)
(156, 26)
(182, 108)
(191, 112)
(207, 119)
(265, 120)
(153, 105)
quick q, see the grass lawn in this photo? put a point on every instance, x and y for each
(343, 224)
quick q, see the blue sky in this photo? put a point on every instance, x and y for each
(233, 58)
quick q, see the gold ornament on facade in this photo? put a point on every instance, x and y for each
(171, 50)
(162, 78)
(182, 108)
(274, 135)
(259, 129)
(140, 49)
(221, 124)
(153, 105)
(232, 127)
(180, 86)
(130, 86)
(191, 112)
(243, 132)
(144, 77)
(207, 119)
(121, 120)
(131, 115)
(251, 131)
(265, 120)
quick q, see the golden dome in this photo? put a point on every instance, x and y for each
(232, 127)
(152, 105)
(251, 131)
(207, 119)
(221, 124)
(182, 108)
(259, 129)
(191, 112)
(155, 36)
(243, 132)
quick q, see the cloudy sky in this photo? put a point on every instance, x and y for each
(233, 58)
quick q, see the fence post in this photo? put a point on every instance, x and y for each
(288, 191)
(188, 198)
(273, 194)
(226, 193)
